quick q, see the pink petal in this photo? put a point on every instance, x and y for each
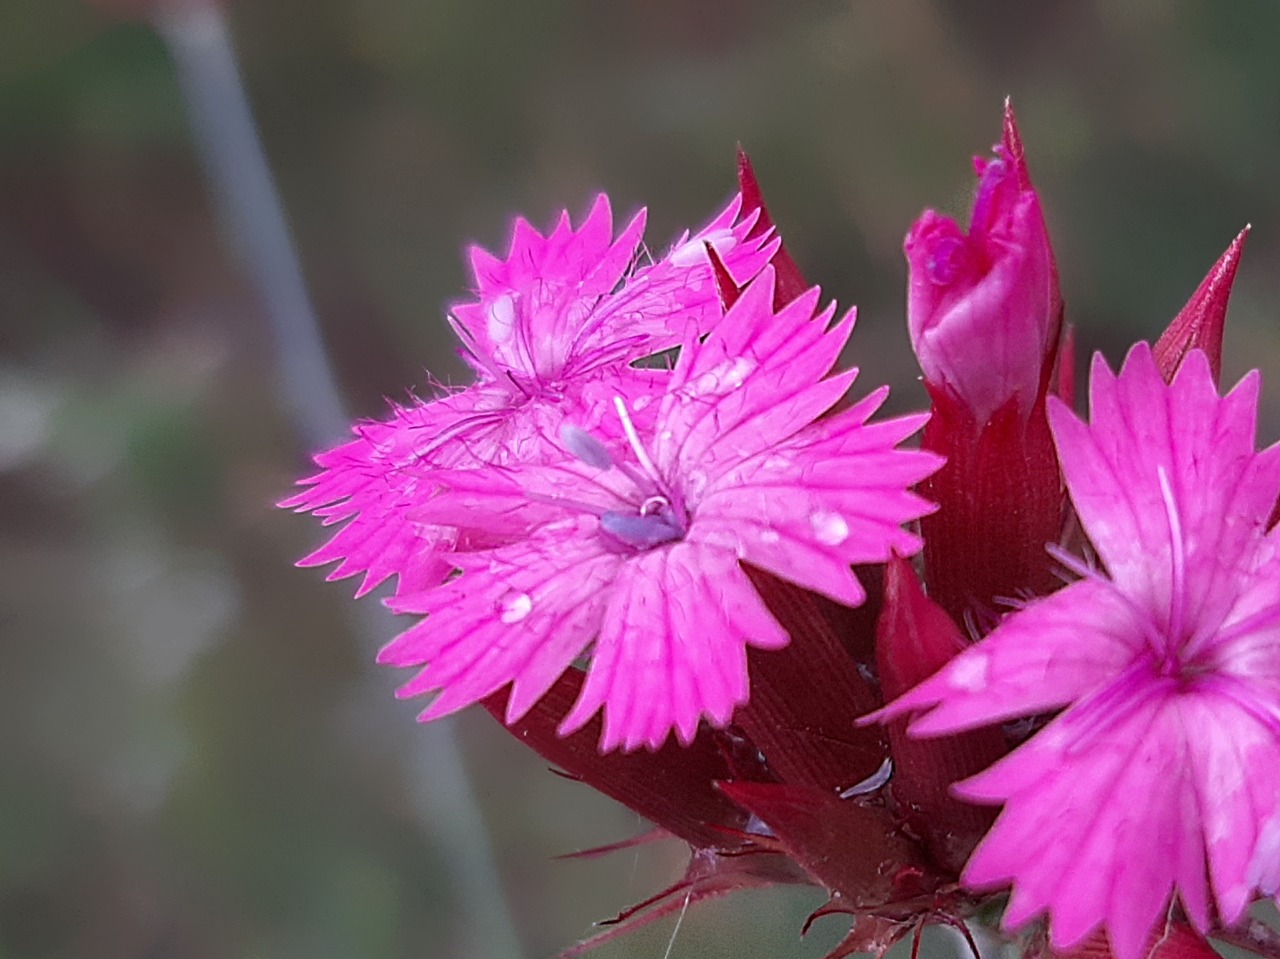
(519, 614)
(672, 647)
(1049, 654)
(1074, 842)
(1204, 446)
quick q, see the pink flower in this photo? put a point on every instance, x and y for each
(632, 547)
(556, 321)
(983, 306)
(1164, 765)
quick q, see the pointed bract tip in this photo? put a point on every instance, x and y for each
(726, 286)
(791, 282)
(1201, 324)
(752, 198)
(1011, 142)
(914, 635)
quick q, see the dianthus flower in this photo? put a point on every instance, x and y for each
(556, 322)
(631, 545)
(1162, 770)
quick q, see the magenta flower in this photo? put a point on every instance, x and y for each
(1164, 765)
(554, 323)
(632, 546)
(983, 306)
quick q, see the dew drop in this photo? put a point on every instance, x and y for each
(514, 606)
(829, 528)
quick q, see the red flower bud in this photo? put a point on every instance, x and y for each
(983, 306)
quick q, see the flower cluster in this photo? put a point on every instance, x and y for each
(658, 542)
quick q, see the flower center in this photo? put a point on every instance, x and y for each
(659, 517)
(657, 522)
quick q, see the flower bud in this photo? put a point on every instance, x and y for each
(985, 316)
(983, 306)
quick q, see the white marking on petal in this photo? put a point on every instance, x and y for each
(829, 528)
(502, 318)
(729, 375)
(694, 251)
(969, 672)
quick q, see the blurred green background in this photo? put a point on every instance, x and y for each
(197, 758)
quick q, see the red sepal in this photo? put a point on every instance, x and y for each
(1200, 324)
(790, 281)
(1064, 378)
(806, 697)
(710, 874)
(1000, 501)
(914, 640)
(726, 286)
(852, 849)
(672, 788)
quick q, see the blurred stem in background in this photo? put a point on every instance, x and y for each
(255, 227)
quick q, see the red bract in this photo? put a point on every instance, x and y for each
(984, 313)
(1199, 325)
(915, 638)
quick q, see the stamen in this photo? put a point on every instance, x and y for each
(1177, 558)
(585, 447)
(641, 532)
(1142, 617)
(654, 504)
(634, 439)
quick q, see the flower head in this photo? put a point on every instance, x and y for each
(631, 545)
(553, 327)
(1164, 765)
(983, 304)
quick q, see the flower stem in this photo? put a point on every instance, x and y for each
(254, 223)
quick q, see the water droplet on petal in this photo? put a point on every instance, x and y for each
(514, 606)
(829, 528)
(969, 672)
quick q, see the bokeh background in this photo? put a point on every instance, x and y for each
(197, 758)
